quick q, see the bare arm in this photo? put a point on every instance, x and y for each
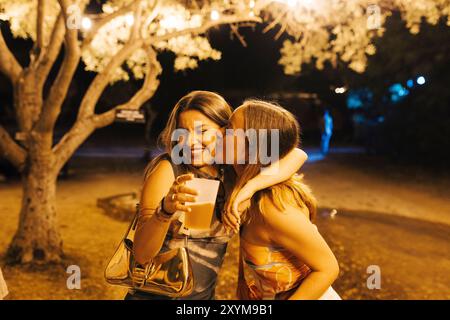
(276, 173)
(151, 230)
(292, 230)
(153, 226)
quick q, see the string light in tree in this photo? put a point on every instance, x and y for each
(86, 23)
(340, 90)
(215, 15)
(129, 19)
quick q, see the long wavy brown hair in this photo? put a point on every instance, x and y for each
(264, 115)
(210, 104)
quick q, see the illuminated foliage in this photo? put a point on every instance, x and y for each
(321, 30)
(333, 30)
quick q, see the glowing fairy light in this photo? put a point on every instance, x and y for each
(129, 18)
(290, 3)
(251, 4)
(86, 23)
(421, 80)
(215, 15)
(171, 22)
(340, 90)
(295, 3)
(107, 8)
(410, 83)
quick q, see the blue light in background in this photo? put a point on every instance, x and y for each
(410, 83)
(354, 102)
(359, 98)
(359, 118)
(421, 80)
(398, 92)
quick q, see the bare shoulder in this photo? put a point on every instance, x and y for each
(281, 216)
(301, 153)
(162, 170)
(157, 184)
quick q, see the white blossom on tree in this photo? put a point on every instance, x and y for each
(333, 30)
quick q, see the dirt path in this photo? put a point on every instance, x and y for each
(360, 183)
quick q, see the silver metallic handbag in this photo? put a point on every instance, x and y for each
(168, 274)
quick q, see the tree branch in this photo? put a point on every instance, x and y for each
(40, 24)
(235, 31)
(147, 91)
(48, 58)
(87, 121)
(52, 105)
(230, 19)
(8, 63)
(102, 79)
(104, 19)
(72, 140)
(11, 150)
(85, 126)
(276, 20)
(137, 13)
(150, 18)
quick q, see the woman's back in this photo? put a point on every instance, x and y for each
(274, 268)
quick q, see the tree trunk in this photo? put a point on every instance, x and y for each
(37, 239)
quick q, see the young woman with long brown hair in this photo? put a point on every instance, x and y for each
(164, 192)
(286, 254)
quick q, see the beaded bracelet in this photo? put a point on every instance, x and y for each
(162, 214)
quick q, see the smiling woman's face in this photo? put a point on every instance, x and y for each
(201, 136)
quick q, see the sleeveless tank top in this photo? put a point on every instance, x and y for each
(206, 248)
(274, 269)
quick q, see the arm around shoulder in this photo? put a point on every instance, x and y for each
(150, 232)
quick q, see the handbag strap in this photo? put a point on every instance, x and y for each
(241, 275)
(186, 242)
(136, 217)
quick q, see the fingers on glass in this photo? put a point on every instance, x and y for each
(184, 177)
(186, 189)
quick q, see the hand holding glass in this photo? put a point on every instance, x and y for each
(200, 216)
